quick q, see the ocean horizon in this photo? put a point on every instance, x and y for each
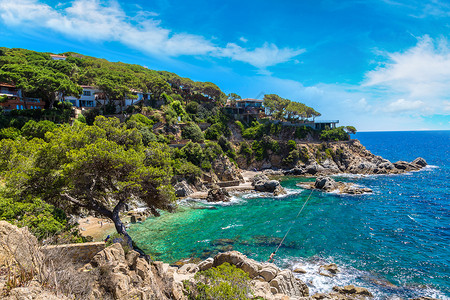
(395, 241)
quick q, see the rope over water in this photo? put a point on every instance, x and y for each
(300, 211)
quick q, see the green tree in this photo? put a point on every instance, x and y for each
(350, 129)
(193, 132)
(101, 168)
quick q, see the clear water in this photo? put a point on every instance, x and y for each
(395, 241)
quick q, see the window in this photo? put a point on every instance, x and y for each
(21, 107)
(86, 93)
(17, 106)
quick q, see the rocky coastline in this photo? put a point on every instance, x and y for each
(119, 273)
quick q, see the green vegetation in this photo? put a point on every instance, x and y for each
(225, 282)
(335, 134)
(52, 165)
(100, 168)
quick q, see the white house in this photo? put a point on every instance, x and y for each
(92, 97)
(87, 97)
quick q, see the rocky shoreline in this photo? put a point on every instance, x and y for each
(119, 273)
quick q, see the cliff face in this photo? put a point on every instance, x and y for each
(334, 158)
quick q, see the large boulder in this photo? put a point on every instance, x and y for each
(19, 247)
(262, 183)
(419, 162)
(182, 189)
(325, 183)
(218, 195)
(280, 282)
(353, 290)
(226, 170)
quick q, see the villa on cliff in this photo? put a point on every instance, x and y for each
(253, 109)
(246, 109)
(13, 99)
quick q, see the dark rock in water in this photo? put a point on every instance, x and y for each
(222, 242)
(225, 248)
(295, 171)
(353, 290)
(299, 270)
(325, 183)
(330, 270)
(218, 195)
(205, 207)
(402, 165)
(419, 162)
(267, 240)
(262, 183)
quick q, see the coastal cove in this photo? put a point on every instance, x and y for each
(394, 241)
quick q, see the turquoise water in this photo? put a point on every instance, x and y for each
(394, 242)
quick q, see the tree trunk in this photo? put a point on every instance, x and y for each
(120, 227)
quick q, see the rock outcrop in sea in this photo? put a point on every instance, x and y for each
(328, 184)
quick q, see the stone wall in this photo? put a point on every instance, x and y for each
(228, 183)
(79, 253)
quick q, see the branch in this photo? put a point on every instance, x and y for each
(93, 205)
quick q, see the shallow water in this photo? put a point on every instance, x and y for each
(394, 242)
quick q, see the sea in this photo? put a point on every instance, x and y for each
(394, 241)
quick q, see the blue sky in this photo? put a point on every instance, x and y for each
(374, 64)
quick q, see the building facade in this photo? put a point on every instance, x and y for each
(13, 99)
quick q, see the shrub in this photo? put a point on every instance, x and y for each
(254, 132)
(292, 158)
(225, 282)
(302, 132)
(147, 135)
(118, 238)
(81, 118)
(240, 125)
(258, 150)
(188, 170)
(41, 218)
(10, 133)
(192, 107)
(227, 147)
(213, 132)
(335, 134)
(192, 152)
(211, 151)
(141, 121)
(193, 132)
(90, 115)
(291, 145)
(33, 129)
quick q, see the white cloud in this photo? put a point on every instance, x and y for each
(263, 57)
(94, 20)
(421, 75)
(243, 39)
(402, 105)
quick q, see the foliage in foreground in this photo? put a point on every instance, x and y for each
(225, 282)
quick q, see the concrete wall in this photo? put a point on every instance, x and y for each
(80, 253)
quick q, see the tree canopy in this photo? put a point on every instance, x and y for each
(101, 168)
(287, 110)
